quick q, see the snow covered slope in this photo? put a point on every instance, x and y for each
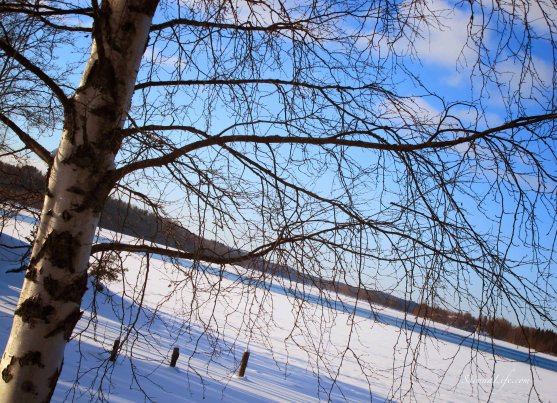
(304, 346)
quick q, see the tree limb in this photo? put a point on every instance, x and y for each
(142, 248)
(30, 142)
(272, 81)
(41, 9)
(336, 140)
(22, 60)
(279, 26)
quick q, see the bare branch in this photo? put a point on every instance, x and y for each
(23, 61)
(30, 142)
(336, 140)
(295, 26)
(271, 81)
(41, 9)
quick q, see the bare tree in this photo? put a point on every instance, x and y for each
(300, 133)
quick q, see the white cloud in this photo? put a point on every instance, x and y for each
(261, 13)
(445, 44)
(540, 14)
(526, 80)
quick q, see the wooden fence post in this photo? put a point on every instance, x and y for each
(243, 364)
(114, 352)
(175, 355)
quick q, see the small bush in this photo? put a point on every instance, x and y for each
(106, 269)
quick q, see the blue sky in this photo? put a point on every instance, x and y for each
(445, 62)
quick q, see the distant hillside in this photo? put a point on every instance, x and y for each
(25, 185)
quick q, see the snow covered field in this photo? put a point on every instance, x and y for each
(301, 351)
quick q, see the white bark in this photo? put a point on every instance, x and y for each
(78, 185)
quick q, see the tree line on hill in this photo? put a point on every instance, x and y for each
(542, 340)
(24, 186)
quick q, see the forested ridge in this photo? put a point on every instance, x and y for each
(23, 186)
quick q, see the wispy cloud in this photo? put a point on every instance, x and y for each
(445, 43)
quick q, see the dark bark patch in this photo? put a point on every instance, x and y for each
(70, 120)
(31, 358)
(83, 156)
(7, 375)
(111, 140)
(52, 381)
(77, 190)
(52, 286)
(33, 309)
(31, 273)
(129, 27)
(66, 216)
(28, 387)
(107, 112)
(102, 76)
(66, 325)
(147, 8)
(61, 248)
(97, 197)
(60, 291)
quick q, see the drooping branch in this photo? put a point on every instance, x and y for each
(208, 255)
(338, 139)
(248, 27)
(311, 25)
(41, 9)
(37, 71)
(271, 81)
(30, 142)
(198, 255)
(64, 27)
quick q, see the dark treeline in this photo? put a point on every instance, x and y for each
(21, 185)
(542, 340)
(24, 186)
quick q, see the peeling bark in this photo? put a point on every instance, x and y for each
(32, 358)
(7, 375)
(60, 249)
(52, 381)
(33, 309)
(66, 325)
(61, 291)
(79, 180)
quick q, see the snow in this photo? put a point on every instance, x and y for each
(301, 351)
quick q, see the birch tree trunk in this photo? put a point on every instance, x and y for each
(78, 184)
